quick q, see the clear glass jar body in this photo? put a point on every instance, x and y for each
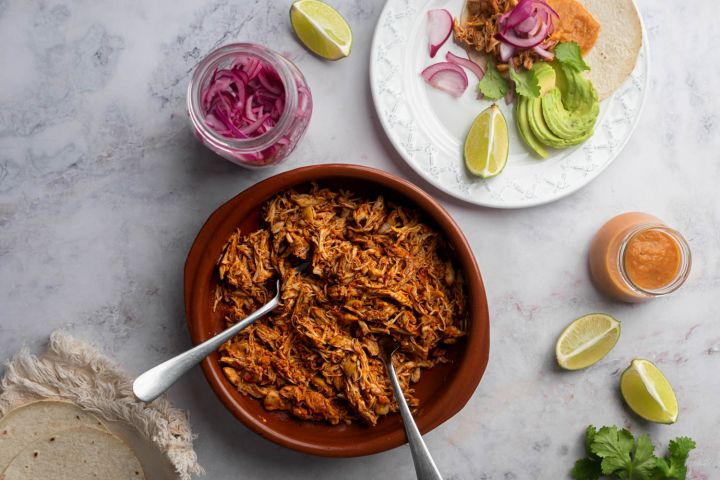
(607, 257)
(269, 148)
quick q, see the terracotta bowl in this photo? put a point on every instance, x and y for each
(442, 390)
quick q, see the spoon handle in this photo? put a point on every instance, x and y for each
(425, 468)
(153, 383)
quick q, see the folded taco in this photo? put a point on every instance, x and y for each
(608, 32)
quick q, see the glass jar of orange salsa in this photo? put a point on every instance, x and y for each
(635, 257)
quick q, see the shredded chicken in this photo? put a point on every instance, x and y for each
(375, 270)
(479, 30)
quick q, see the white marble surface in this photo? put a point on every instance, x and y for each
(103, 188)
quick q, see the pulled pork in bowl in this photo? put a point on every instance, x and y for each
(383, 259)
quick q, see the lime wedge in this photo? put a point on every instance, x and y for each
(321, 29)
(586, 341)
(486, 145)
(648, 393)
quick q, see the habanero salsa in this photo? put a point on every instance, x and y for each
(652, 259)
(635, 257)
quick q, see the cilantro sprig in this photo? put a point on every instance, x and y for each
(526, 83)
(615, 453)
(568, 53)
(493, 86)
(673, 465)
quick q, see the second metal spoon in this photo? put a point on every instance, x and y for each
(425, 468)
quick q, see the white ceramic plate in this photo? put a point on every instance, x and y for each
(428, 126)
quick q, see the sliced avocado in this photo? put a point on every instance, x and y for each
(561, 82)
(571, 110)
(563, 115)
(577, 91)
(523, 126)
(540, 129)
(545, 75)
(570, 125)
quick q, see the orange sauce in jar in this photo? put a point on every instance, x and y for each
(652, 259)
(635, 257)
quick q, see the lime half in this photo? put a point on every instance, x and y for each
(487, 145)
(321, 29)
(586, 341)
(648, 393)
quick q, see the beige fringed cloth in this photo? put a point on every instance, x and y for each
(75, 371)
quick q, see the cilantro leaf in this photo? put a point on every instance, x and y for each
(680, 448)
(622, 455)
(526, 83)
(613, 446)
(673, 466)
(665, 469)
(493, 86)
(568, 53)
(586, 469)
(590, 433)
(644, 460)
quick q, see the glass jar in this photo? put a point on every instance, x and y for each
(635, 257)
(268, 148)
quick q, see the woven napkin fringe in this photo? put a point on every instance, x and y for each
(75, 371)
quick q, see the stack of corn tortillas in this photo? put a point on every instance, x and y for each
(59, 440)
(71, 414)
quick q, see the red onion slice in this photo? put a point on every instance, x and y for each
(229, 124)
(440, 24)
(250, 129)
(448, 77)
(543, 6)
(248, 108)
(516, 41)
(551, 30)
(538, 26)
(437, 67)
(547, 55)
(467, 63)
(522, 11)
(216, 87)
(547, 45)
(506, 51)
(265, 81)
(304, 101)
(527, 25)
(510, 96)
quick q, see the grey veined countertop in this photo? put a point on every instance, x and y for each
(103, 188)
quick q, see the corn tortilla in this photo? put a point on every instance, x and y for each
(82, 453)
(616, 51)
(32, 421)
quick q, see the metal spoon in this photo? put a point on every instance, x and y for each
(425, 468)
(153, 383)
